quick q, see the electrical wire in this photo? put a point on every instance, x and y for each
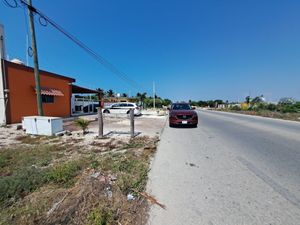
(11, 4)
(44, 21)
(79, 43)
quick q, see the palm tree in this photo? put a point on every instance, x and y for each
(110, 93)
(100, 94)
(248, 99)
(142, 97)
(100, 90)
(258, 99)
(83, 124)
(138, 95)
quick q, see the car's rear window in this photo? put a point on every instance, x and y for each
(181, 107)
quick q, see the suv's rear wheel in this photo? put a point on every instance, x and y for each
(106, 111)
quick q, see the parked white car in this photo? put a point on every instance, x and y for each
(123, 108)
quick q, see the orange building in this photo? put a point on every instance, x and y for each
(20, 91)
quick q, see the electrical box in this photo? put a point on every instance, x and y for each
(42, 125)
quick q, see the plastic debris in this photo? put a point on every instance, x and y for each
(113, 178)
(130, 197)
(95, 175)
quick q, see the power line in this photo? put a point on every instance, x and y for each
(44, 20)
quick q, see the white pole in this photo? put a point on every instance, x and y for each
(153, 95)
(27, 46)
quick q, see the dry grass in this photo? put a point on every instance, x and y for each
(267, 113)
(66, 193)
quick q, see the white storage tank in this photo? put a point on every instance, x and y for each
(42, 125)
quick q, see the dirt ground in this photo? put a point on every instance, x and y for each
(76, 178)
(149, 124)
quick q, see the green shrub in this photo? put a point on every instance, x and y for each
(3, 161)
(95, 164)
(83, 124)
(101, 216)
(272, 107)
(259, 106)
(289, 109)
(63, 174)
(21, 183)
(236, 108)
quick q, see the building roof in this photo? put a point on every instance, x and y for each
(82, 90)
(30, 69)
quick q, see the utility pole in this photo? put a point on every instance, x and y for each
(132, 134)
(26, 52)
(100, 123)
(35, 60)
(153, 95)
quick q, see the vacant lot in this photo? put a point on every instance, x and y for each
(267, 113)
(74, 179)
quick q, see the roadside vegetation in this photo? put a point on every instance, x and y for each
(52, 180)
(286, 108)
(142, 99)
(82, 124)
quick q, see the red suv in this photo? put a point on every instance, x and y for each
(182, 114)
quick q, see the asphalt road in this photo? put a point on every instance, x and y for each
(231, 170)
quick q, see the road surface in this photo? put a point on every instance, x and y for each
(232, 170)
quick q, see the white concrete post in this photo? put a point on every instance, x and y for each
(2, 79)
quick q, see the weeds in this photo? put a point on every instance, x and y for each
(45, 173)
(101, 216)
(20, 184)
(17, 158)
(64, 174)
(33, 140)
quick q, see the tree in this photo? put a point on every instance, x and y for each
(258, 99)
(110, 93)
(141, 97)
(202, 103)
(124, 95)
(100, 90)
(167, 102)
(248, 99)
(286, 101)
(211, 103)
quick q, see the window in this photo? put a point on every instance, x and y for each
(115, 106)
(47, 99)
(78, 107)
(181, 107)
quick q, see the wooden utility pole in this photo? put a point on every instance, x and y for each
(35, 60)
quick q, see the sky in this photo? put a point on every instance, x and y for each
(191, 49)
